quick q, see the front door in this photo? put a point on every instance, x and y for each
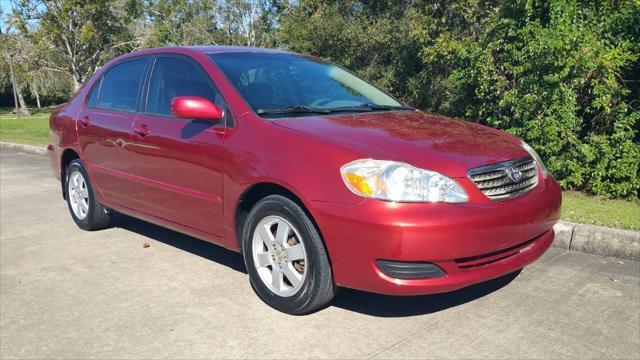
(178, 162)
(104, 130)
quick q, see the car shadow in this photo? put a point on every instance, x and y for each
(181, 241)
(402, 306)
(353, 300)
(195, 127)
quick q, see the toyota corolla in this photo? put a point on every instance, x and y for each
(318, 178)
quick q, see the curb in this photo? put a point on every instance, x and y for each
(590, 239)
(597, 240)
(23, 148)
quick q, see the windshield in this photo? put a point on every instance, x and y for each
(280, 83)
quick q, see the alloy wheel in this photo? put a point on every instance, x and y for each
(279, 255)
(78, 195)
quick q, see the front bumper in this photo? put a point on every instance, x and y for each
(471, 242)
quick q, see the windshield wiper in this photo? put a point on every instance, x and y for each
(386, 107)
(364, 107)
(293, 109)
(304, 109)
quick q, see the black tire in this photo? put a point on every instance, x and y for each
(97, 216)
(318, 288)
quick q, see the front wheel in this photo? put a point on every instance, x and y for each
(83, 205)
(286, 260)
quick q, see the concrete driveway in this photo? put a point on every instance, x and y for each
(67, 293)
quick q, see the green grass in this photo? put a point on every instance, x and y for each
(576, 207)
(33, 130)
(584, 209)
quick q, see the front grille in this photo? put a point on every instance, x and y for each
(493, 180)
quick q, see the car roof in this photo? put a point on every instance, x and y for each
(224, 49)
(208, 49)
(191, 50)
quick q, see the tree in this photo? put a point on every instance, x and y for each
(207, 22)
(369, 37)
(13, 55)
(249, 22)
(78, 36)
(179, 22)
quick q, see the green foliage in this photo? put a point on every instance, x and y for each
(76, 36)
(371, 40)
(207, 22)
(563, 75)
(180, 22)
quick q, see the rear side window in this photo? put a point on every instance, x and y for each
(174, 77)
(118, 88)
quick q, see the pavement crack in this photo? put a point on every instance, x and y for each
(412, 334)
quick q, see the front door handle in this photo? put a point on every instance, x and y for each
(85, 121)
(142, 130)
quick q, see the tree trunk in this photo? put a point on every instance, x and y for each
(13, 84)
(77, 84)
(77, 78)
(23, 110)
(35, 92)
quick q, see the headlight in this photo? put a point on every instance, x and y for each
(536, 157)
(396, 181)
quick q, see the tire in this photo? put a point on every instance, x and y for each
(83, 205)
(298, 292)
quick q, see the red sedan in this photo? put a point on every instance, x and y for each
(316, 176)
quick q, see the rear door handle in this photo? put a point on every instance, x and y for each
(85, 121)
(142, 130)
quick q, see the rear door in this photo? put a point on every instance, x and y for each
(105, 128)
(178, 162)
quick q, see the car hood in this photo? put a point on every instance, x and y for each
(433, 142)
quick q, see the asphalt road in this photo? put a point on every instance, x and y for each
(67, 293)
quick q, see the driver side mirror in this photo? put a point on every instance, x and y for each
(195, 107)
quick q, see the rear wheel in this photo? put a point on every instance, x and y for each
(85, 210)
(286, 260)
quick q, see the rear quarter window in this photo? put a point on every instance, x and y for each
(118, 88)
(93, 95)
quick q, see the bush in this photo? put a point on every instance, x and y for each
(562, 75)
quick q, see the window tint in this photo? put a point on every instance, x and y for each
(119, 87)
(174, 77)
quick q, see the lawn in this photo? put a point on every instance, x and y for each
(33, 130)
(581, 208)
(576, 207)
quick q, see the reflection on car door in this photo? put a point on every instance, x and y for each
(104, 129)
(178, 162)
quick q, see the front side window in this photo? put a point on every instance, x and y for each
(173, 77)
(118, 87)
(269, 81)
